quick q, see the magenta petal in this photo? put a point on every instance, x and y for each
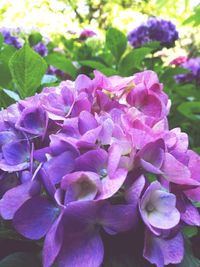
(147, 103)
(13, 199)
(163, 251)
(191, 215)
(83, 83)
(176, 172)
(80, 105)
(86, 122)
(152, 155)
(194, 164)
(193, 194)
(35, 217)
(114, 156)
(53, 242)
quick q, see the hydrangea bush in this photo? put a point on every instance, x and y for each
(97, 156)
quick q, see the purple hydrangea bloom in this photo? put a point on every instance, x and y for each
(75, 162)
(154, 29)
(10, 39)
(193, 66)
(41, 49)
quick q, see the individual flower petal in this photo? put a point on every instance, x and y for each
(119, 218)
(16, 152)
(81, 249)
(59, 166)
(152, 156)
(35, 217)
(149, 104)
(176, 172)
(33, 120)
(94, 161)
(162, 252)
(191, 215)
(13, 200)
(134, 192)
(53, 242)
(86, 122)
(111, 185)
(193, 194)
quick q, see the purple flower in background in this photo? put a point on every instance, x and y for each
(59, 73)
(193, 66)
(75, 162)
(154, 29)
(86, 33)
(41, 49)
(10, 39)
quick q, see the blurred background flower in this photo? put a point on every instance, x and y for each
(154, 29)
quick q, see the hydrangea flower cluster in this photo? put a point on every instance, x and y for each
(10, 39)
(154, 29)
(191, 64)
(68, 153)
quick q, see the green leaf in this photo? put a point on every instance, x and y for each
(6, 52)
(27, 68)
(170, 72)
(191, 110)
(195, 18)
(20, 259)
(34, 38)
(109, 71)
(62, 63)
(151, 177)
(196, 203)
(186, 90)
(83, 52)
(1, 39)
(189, 260)
(116, 41)
(5, 99)
(92, 64)
(190, 231)
(133, 60)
